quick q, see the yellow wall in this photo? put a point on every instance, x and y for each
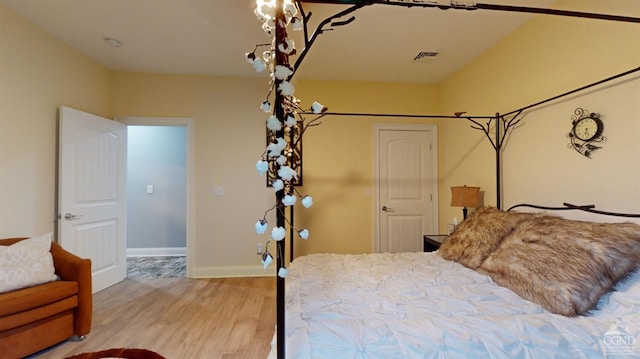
(230, 132)
(338, 159)
(229, 139)
(39, 73)
(546, 57)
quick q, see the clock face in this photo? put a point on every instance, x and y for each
(586, 132)
(587, 128)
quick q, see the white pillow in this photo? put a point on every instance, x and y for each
(26, 263)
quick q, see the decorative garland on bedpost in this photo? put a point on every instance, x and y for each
(281, 161)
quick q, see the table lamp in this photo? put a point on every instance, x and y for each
(463, 196)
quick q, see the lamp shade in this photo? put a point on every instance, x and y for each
(464, 196)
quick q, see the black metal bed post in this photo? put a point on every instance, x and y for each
(498, 163)
(291, 234)
(280, 59)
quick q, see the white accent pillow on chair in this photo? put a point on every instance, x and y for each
(26, 263)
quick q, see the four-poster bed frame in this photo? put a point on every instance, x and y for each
(502, 124)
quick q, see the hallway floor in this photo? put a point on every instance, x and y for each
(157, 267)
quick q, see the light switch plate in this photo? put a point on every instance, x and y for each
(218, 191)
(149, 188)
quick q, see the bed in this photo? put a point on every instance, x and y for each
(556, 289)
(580, 280)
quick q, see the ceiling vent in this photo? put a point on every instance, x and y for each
(425, 55)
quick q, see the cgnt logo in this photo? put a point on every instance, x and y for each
(618, 340)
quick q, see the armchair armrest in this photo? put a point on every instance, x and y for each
(73, 268)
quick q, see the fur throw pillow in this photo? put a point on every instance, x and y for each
(479, 235)
(564, 265)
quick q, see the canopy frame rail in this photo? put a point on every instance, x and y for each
(568, 206)
(503, 125)
(480, 6)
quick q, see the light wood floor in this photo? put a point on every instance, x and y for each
(181, 318)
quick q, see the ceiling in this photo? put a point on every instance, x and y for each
(211, 36)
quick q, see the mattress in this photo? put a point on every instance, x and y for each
(418, 305)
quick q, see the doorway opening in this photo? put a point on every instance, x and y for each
(159, 196)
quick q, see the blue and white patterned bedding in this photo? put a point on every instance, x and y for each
(418, 305)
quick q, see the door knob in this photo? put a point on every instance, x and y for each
(71, 217)
(386, 209)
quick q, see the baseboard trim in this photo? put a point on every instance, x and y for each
(233, 271)
(155, 252)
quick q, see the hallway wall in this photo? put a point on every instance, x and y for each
(156, 157)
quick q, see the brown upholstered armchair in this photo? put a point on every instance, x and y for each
(34, 318)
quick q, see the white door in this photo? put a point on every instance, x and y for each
(407, 186)
(91, 193)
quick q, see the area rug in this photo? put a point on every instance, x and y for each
(119, 354)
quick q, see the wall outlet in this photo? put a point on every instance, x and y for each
(218, 191)
(259, 248)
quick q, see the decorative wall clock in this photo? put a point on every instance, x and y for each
(586, 131)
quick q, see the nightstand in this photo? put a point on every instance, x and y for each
(432, 242)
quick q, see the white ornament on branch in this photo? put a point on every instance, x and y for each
(262, 167)
(267, 10)
(287, 47)
(282, 72)
(266, 106)
(277, 185)
(283, 272)
(259, 65)
(267, 258)
(290, 120)
(297, 23)
(275, 149)
(274, 124)
(268, 56)
(278, 233)
(286, 88)
(290, 9)
(307, 201)
(261, 226)
(286, 173)
(267, 29)
(289, 200)
(317, 107)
